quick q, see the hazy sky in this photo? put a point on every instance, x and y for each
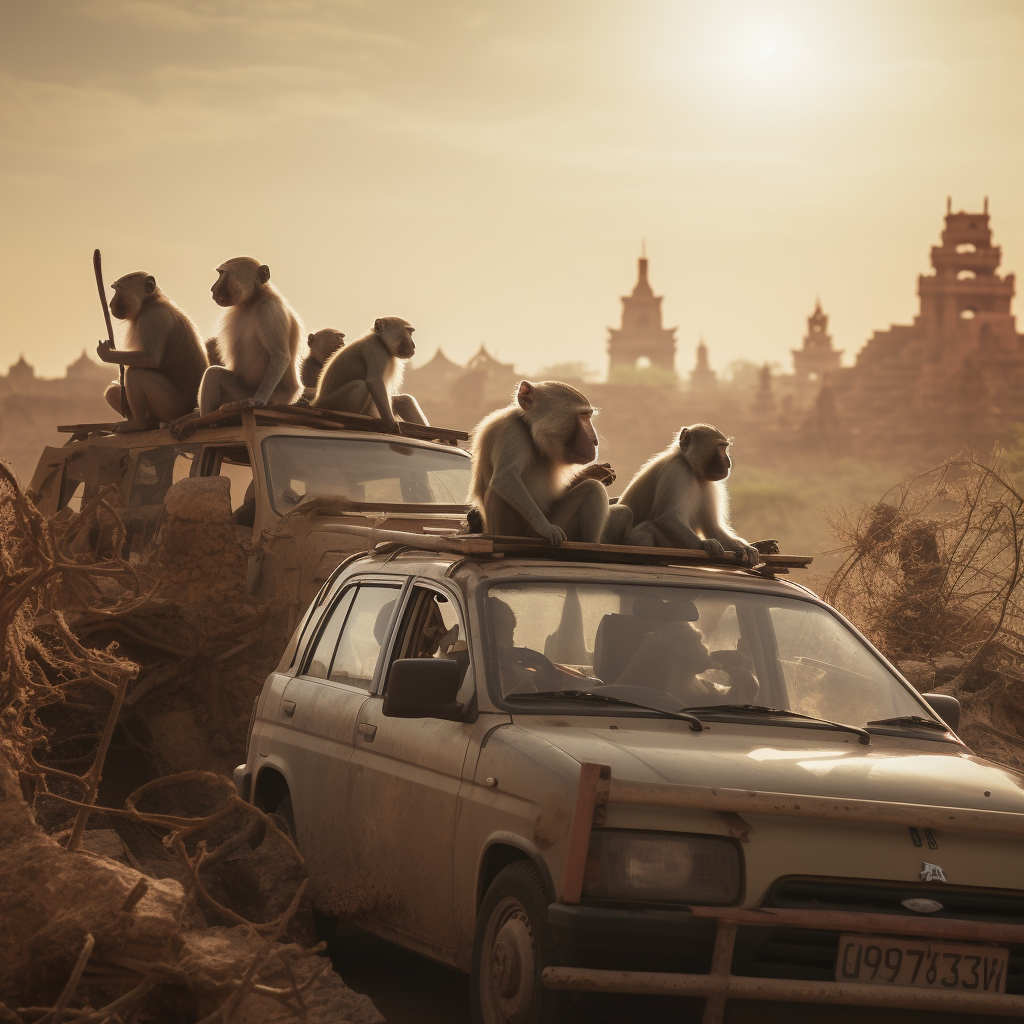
(487, 171)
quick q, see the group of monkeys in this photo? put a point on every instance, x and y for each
(170, 373)
(534, 462)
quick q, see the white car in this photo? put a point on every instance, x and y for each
(560, 772)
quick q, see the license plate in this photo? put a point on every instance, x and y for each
(879, 960)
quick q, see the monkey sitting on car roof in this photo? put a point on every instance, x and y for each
(678, 499)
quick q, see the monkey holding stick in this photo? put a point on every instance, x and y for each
(367, 374)
(523, 461)
(259, 339)
(682, 491)
(163, 356)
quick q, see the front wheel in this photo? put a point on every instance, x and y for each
(511, 948)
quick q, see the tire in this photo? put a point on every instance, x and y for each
(511, 948)
(324, 925)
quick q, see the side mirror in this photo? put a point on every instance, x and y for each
(423, 688)
(946, 707)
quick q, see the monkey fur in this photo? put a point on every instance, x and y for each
(163, 355)
(679, 498)
(213, 352)
(322, 345)
(524, 457)
(259, 338)
(367, 374)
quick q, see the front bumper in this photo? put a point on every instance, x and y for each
(779, 955)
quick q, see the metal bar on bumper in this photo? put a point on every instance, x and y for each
(728, 986)
(877, 812)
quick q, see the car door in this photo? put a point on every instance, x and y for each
(404, 784)
(317, 724)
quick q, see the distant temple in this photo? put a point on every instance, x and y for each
(955, 376)
(817, 358)
(641, 339)
(702, 377)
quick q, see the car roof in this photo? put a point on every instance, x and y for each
(232, 422)
(466, 569)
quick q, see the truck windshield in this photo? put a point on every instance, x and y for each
(362, 472)
(674, 648)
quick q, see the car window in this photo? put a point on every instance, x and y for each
(432, 628)
(156, 470)
(235, 465)
(88, 471)
(363, 472)
(363, 635)
(829, 674)
(680, 647)
(323, 653)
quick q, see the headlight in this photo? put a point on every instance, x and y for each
(661, 867)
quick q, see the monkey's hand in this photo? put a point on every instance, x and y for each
(713, 548)
(104, 348)
(252, 403)
(750, 555)
(600, 471)
(554, 535)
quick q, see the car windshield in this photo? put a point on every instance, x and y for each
(676, 648)
(363, 471)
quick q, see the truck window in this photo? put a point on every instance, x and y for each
(234, 463)
(157, 470)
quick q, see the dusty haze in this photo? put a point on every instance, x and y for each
(488, 171)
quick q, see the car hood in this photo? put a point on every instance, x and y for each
(783, 759)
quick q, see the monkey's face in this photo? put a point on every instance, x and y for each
(718, 465)
(129, 294)
(325, 343)
(238, 279)
(582, 446)
(396, 334)
(227, 290)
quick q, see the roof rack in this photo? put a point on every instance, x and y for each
(569, 551)
(293, 415)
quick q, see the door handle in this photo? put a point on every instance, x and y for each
(288, 708)
(367, 730)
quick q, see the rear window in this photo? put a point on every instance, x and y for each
(362, 472)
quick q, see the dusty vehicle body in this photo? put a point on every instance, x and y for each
(293, 472)
(524, 820)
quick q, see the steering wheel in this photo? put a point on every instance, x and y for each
(524, 663)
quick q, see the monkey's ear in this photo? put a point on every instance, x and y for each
(263, 274)
(309, 340)
(526, 396)
(378, 327)
(149, 284)
(684, 438)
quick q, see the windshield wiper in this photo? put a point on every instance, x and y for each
(912, 722)
(695, 723)
(757, 709)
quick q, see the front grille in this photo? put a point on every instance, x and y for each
(872, 898)
(811, 955)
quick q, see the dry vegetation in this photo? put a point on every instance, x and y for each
(134, 890)
(932, 576)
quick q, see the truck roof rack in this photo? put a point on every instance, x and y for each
(290, 415)
(483, 544)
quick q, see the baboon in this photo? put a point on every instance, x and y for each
(163, 356)
(367, 374)
(523, 461)
(682, 491)
(322, 345)
(259, 337)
